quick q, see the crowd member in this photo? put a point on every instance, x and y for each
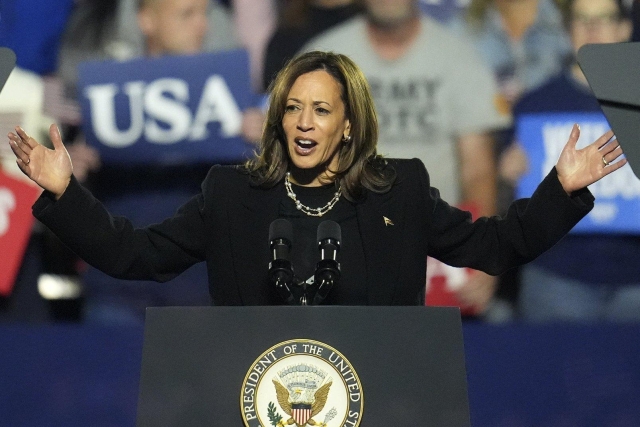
(92, 33)
(523, 41)
(585, 277)
(317, 160)
(435, 100)
(110, 29)
(148, 194)
(255, 22)
(219, 33)
(233, 24)
(300, 21)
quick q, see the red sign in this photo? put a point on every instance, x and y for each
(16, 220)
(443, 281)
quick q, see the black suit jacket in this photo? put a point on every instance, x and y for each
(227, 225)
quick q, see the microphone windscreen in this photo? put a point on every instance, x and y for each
(329, 230)
(281, 229)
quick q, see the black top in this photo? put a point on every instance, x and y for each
(351, 289)
(287, 41)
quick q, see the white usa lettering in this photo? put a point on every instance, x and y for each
(158, 111)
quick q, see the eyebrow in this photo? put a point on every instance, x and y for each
(314, 102)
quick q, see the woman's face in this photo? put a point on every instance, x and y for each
(314, 124)
(174, 26)
(597, 21)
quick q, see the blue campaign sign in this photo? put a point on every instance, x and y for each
(168, 110)
(543, 136)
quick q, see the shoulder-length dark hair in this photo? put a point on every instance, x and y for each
(359, 165)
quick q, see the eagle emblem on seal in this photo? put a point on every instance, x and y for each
(302, 391)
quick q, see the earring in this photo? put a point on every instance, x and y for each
(346, 139)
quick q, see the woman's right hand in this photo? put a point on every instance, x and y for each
(50, 169)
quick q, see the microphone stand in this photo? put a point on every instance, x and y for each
(327, 271)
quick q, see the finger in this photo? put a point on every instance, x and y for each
(21, 133)
(604, 139)
(13, 138)
(611, 156)
(20, 143)
(22, 167)
(614, 167)
(26, 139)
(15, 142)
(614, 154)
(607, 150)
(56, 139)
(574, 136)
(21, 157)
(610, 146)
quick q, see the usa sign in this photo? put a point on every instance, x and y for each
(168, 110)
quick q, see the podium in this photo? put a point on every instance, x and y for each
(7, 63)
(611, 71)
(326, 365)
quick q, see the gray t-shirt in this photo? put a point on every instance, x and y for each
(438, 90)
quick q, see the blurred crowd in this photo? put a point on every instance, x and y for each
(449, 78)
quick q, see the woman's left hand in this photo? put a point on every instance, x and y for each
(580, 168)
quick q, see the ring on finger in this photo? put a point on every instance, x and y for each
(606, 163)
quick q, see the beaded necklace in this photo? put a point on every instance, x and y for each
(306, 209)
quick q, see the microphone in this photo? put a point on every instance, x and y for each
(327, 272)
(280, 268)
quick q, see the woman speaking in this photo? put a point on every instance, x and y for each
(317, 161)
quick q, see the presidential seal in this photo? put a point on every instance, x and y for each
(301, 383)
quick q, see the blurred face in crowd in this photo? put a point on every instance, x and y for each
(391, 13)
(597, 21)
(173, 26)
(315, 124)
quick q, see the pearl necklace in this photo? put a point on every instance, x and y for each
(306, 209)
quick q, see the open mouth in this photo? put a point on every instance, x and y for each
(304, 146)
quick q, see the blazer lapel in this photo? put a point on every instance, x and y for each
(250, 220)
(381, 223)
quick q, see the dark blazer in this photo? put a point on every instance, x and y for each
(227, 225)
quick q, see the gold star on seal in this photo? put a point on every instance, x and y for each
(387, 221)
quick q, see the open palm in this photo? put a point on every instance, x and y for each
(580, 168)
(50, 169)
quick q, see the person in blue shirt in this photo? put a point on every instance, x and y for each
(570, 281)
